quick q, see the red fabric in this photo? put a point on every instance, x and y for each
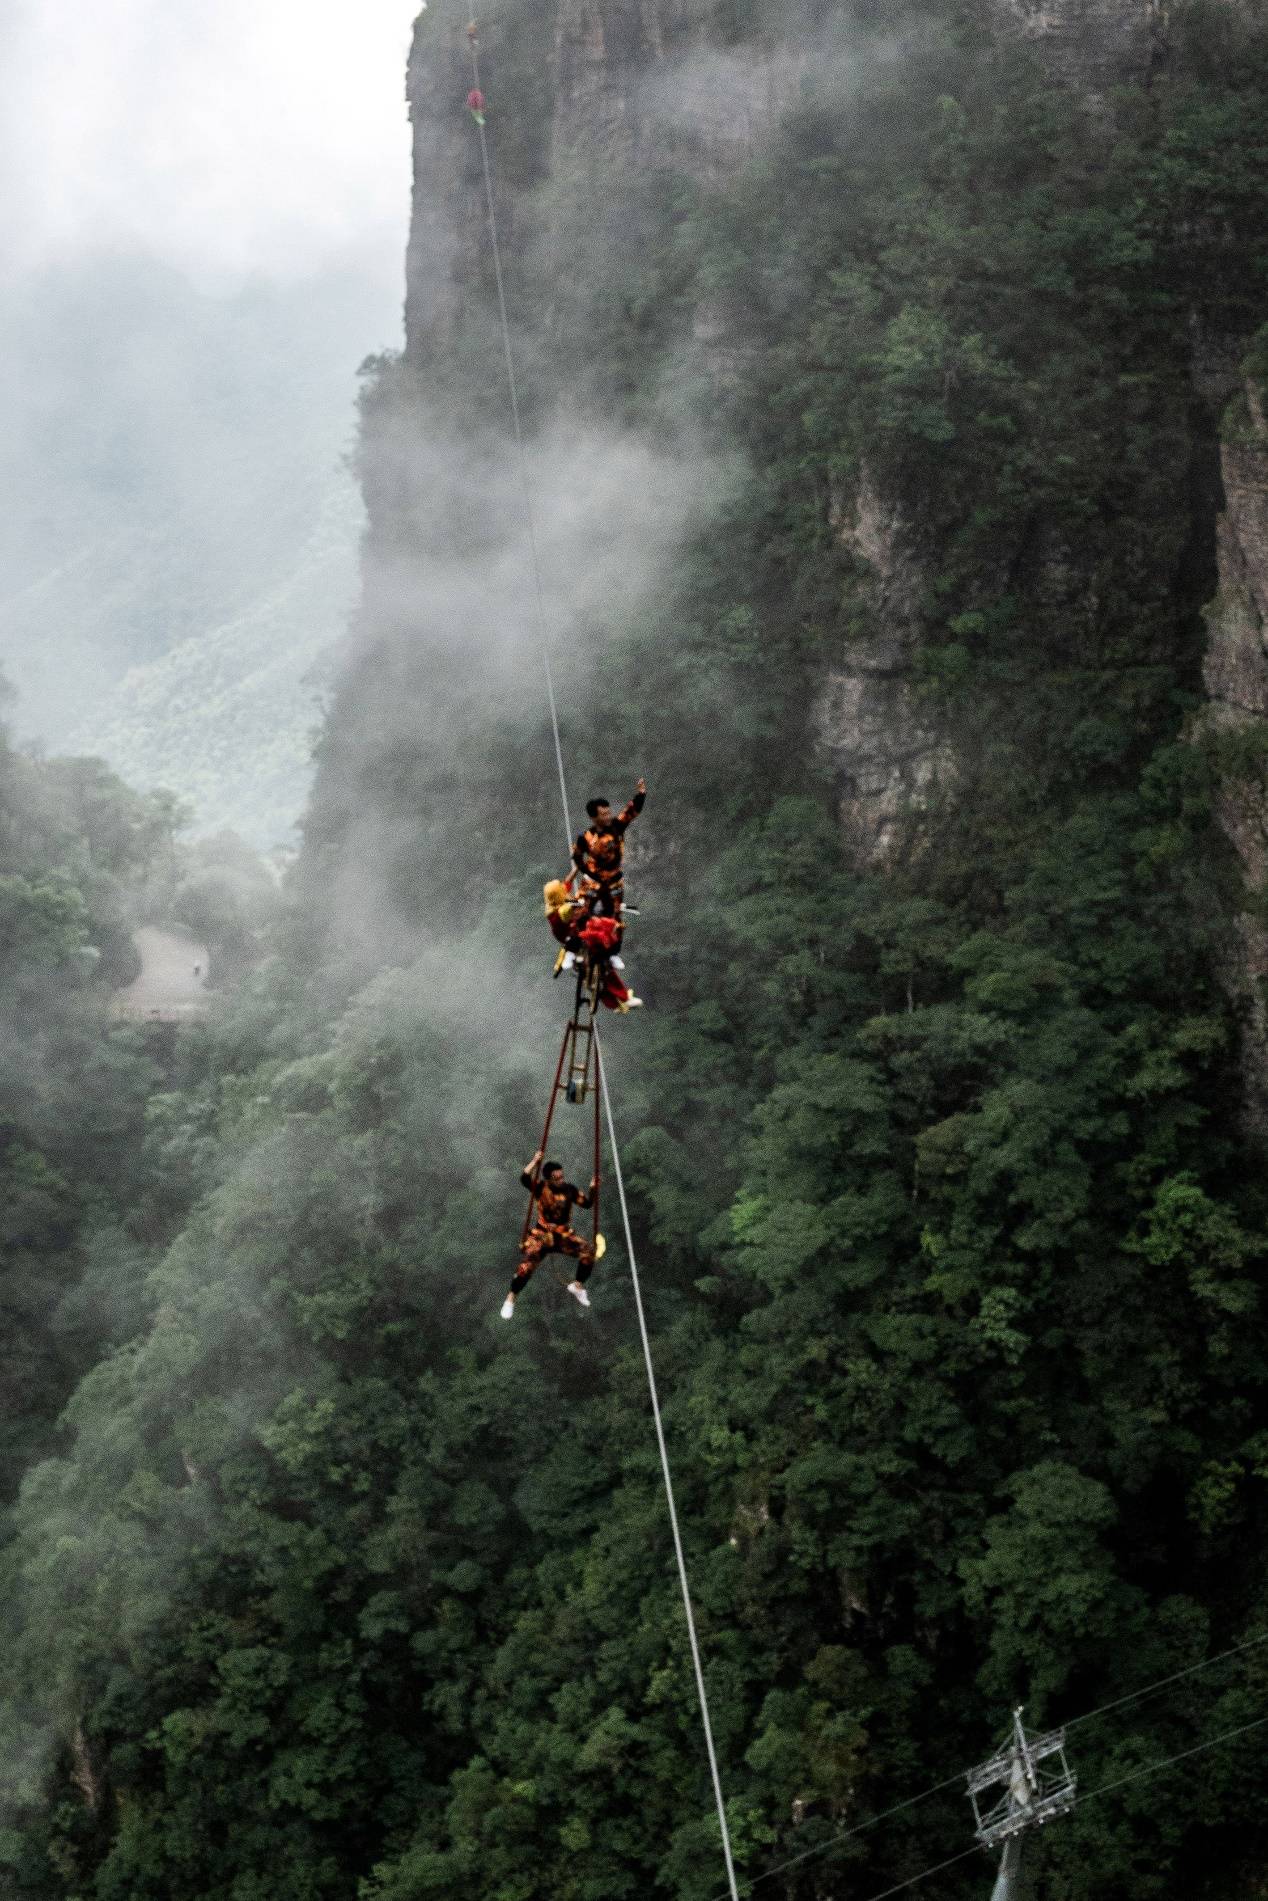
(475, 99)
(614, 992)
(601, 933)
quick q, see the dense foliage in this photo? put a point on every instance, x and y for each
(74, 844)
(953, 1241)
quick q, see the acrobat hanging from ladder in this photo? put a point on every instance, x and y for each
(553, 1232)
(548, 1225)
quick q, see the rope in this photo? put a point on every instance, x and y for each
(521, 461)
(598, 1139)
(701, 1692)
(925, 1874)
(664, 1466)
(847, 1834)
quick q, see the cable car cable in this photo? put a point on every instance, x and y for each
(1155, 1768)
(543, 628)
(1134, 1696)
(667, 1475)
(911, 1801)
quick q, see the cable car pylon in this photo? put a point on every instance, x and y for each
(1032, 1797)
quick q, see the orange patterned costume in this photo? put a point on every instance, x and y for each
(553, 1232)
(599, 855)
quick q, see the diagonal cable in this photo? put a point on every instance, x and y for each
(544, 632)
(1134, 1696)
(530, 522)
(1167, 1762)
(911, 1801)
(665, 1470)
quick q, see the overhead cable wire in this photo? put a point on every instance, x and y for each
(847, 1834)
(544, 631)
(543, 626)
(1149, 1769)
(925, 1873)
(912, 1880)
(939, 1788)
(1134, 1696)
(1167, 1762)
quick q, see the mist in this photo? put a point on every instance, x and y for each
(175, 597)
(201, 218)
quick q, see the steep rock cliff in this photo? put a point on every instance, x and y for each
(1096, 44)
(1092, 43)
(1236, 721)
(627, 86)
(883, 751)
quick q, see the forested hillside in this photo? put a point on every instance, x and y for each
(875, 374)
(75, 846)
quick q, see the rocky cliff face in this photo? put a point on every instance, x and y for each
(645, 82)
(1236, 721)
(637, 83)
(631, 84)
(884, 756)
(1091, 43)
(1095, 44)
(602, 48)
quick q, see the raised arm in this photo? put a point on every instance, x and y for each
(530, 1173)
(586, 1200)
(629, 813)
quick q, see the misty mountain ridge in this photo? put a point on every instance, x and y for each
(182, 501)
(893, 387)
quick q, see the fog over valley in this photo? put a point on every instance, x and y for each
(201, 225)
(634, 950)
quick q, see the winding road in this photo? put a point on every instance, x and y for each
(172, 986)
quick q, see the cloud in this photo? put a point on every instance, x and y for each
(250, 136)
(448, 647)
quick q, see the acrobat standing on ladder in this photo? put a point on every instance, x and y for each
(599, 854)
(553, 1232)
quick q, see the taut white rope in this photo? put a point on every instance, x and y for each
(543, 628)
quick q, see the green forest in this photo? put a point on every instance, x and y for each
(320, 1580)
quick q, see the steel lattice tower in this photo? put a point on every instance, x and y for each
(1032, 1796)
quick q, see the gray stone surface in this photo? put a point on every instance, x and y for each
(1094, 43)
(884, 756)
(1236, 678)
(639, 82)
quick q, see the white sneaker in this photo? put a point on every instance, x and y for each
(508, 1306)
(617, 963)
(633, 1003)
(578, 1292)
(570, 959)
